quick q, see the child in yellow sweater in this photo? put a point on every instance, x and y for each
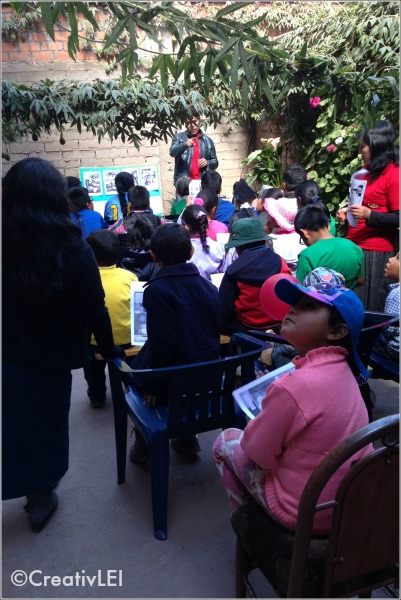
(117, 289)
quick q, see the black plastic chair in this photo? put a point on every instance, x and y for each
(361, 552)
(199, 398)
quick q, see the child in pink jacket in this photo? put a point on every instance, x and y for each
(306, 413)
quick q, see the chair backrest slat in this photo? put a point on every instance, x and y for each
(364, 478)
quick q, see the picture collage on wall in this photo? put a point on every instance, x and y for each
(100, 183)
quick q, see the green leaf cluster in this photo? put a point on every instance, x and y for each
(228, 67)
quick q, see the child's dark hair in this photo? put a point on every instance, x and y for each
(242, 213)
(211, 180)
(311, 217)
(195, 217)
(123, 183)
(139, 197)
(293, 175)
(275, 193)
(335, 319)
(105, 246)
(78, 198)
(142, 231)
(182, 186)
(210, 199)
(171, 244)
(73, 182)
(308, 192)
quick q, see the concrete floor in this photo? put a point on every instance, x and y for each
(104, 528)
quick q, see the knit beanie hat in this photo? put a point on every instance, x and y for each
(283, 211)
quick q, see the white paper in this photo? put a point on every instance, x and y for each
(222, 238)
(356, 194)
(139, 334)
(249, 397)
(194, 187)
(216, 279)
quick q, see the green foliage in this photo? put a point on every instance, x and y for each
(228, 67)
(131, 110)
(266, 166)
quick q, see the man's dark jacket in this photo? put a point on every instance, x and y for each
(183, 155)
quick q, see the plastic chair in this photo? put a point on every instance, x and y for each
(384, 368)
(373, 325)
(361, 552)
(199, 398)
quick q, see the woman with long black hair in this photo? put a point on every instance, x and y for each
(52, 299)
(378, 215)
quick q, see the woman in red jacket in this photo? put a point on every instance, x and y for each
(378, 214)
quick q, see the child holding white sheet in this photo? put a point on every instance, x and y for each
(305, 414)
(183, 325)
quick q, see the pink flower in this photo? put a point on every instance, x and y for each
(331, 148)
(314, 102)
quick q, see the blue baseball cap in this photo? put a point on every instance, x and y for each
(345, 301)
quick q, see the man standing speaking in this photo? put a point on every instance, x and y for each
(193, 151)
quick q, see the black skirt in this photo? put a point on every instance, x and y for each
(373, 292)
(35, 441)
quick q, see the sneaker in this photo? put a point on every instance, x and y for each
(40, 507)
(186, 445)
(139, 452)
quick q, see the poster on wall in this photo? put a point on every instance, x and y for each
(92, 180)
(109, 181)
(135, 174)
(149, 178)
(100, 183)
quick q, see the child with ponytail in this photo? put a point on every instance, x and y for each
(208, 255)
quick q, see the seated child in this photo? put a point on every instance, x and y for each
(307, 193)
(324, 250)
(280, 225)
(117, 289)
(259, 203)
(239, 292)
(211, 180)
(278, 355)
(208, 255)
(135, 247)
(231, 254)
(211, 202)
(82, 213)
(306, 413)
(182, 320)
(117, 206)
(182, 192)
(388, 342)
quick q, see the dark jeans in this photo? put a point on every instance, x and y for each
(94, 372)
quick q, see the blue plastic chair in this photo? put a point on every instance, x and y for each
(199, 398)
(384, 368)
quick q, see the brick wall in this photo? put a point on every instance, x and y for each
(37, 57)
